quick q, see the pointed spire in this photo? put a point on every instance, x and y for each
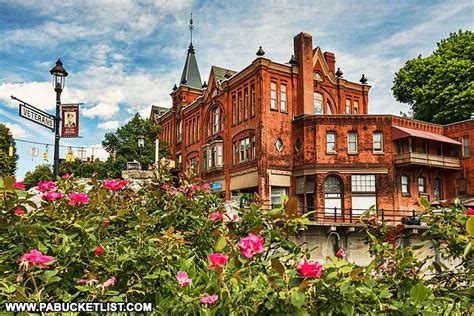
(191, 76)
(175, 87)
(204, 85)
(339, 73)
(363, 79)
(260, 52)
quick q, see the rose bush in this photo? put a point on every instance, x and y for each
(177, 248)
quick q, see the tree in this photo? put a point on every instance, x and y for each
(440, 88)
(124, 142)
(7, 162)
(41, 173)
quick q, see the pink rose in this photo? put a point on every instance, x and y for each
(78, 198)
(209, 299)
(114, 185)
(217, 215)
(235, 217)
(310, 270)
(251, 245)
(470, 212)
(217, 259)
(19, 211)
(165, 187)
(67, 175)
(52, 196)
(84, 281)
(372, 220)
(19, 185)
(99, 250)
(35, 257)
(110, 282)
(46, 185)
(340, 253)
(183, 279)
(205, 187)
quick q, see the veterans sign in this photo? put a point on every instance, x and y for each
(70, 120)
(36, 115)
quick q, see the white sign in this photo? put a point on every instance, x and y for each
(33, 151)
(37, 116)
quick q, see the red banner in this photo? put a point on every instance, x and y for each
(70, 120)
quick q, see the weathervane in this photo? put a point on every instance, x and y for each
(191, 28)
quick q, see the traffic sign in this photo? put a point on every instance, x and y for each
(37, 116)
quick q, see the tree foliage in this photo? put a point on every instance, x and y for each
(7, 163)
(41, 173)
(440, 88)
(124, 142)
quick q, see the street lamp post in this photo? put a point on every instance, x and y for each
(59, 76)
(141, 145)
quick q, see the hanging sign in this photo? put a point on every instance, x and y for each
(70, 120)
(33, 151)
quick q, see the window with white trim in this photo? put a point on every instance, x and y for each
(276, 196)
(356, 107)
(348, 106)
(421, 185)
(273, 95)
(377, 141)
(215, 121)
(405, 185)
(283, 98)
(318, 103)
(352, 142)
(466, 147)
(363, 193)
(331, 142)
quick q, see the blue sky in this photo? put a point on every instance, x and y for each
(122, 56)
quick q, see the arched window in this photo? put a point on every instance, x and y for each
(333, 195)
(215, 120)
(318, 103)
(178, 130)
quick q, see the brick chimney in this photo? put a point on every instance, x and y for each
(331, 61)
(303, 46)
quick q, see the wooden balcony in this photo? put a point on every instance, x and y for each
(429, 160)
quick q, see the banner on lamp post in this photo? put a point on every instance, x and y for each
(70, 120)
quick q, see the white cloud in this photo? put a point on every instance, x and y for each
(15, 129)
(108, 105)
(38, 94)
(109, 125)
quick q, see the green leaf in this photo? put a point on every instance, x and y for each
(467, 250)
(8, 182)
(220, 244)
(346, 269)
(419, 292)
(425, 203)
(470, 225)
(47, 275)
(296, 298)
(278, 266)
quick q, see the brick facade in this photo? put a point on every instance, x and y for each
(301, 129)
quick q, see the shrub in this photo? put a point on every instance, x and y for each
(177, 248)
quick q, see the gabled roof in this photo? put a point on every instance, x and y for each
(191, 76)
(220, 73)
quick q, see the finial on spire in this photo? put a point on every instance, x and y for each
(191, 28)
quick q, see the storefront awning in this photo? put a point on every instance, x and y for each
(399, 132)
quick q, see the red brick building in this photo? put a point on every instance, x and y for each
(301, 129)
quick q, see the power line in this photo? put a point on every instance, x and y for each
(46, 144)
